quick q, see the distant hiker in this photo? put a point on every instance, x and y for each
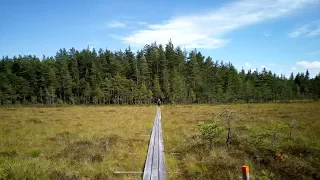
(158, 102)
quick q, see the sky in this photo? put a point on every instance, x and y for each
(281, 35)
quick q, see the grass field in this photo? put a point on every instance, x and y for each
(92, 142)
(73, 142)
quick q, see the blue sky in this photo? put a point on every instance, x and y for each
(281, 35)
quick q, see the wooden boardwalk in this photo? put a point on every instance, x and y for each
(154, 168)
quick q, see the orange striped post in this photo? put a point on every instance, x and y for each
(245, 172)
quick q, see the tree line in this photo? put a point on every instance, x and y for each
(166, 72)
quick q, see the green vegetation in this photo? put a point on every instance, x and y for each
(169, 73)
(277, 141)
(210, 132)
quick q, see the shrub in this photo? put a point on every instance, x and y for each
(210, 131)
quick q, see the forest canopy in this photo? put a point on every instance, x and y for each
(156, 71)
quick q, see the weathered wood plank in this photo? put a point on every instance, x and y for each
(155, 165)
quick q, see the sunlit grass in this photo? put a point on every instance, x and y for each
(73, 142)
(188, 156)
(92, 142)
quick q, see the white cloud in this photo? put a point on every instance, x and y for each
(209, 30)
(298, 32)
(309, 65)
(248, 65)
(309, 30)
(294, 68)
(116, 24)
(314, 32)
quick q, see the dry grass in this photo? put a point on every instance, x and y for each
(73, 142)
(88, 142)
(188, 156)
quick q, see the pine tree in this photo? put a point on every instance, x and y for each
(178, 94)
(170, 56)
(63, 76)
(163, 72)
(144, 72)
(132, 72)
(123, 78)
(156, 88)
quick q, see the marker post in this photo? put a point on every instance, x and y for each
(245, 172)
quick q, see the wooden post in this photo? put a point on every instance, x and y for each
(245, 172)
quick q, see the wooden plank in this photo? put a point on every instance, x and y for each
(155, 155)
(154, 166)
(161, 151)
(148, 163)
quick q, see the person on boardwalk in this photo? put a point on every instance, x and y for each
(159, 102)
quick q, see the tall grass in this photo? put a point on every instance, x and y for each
(253, 128)
(89, 142)
(73, 142)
